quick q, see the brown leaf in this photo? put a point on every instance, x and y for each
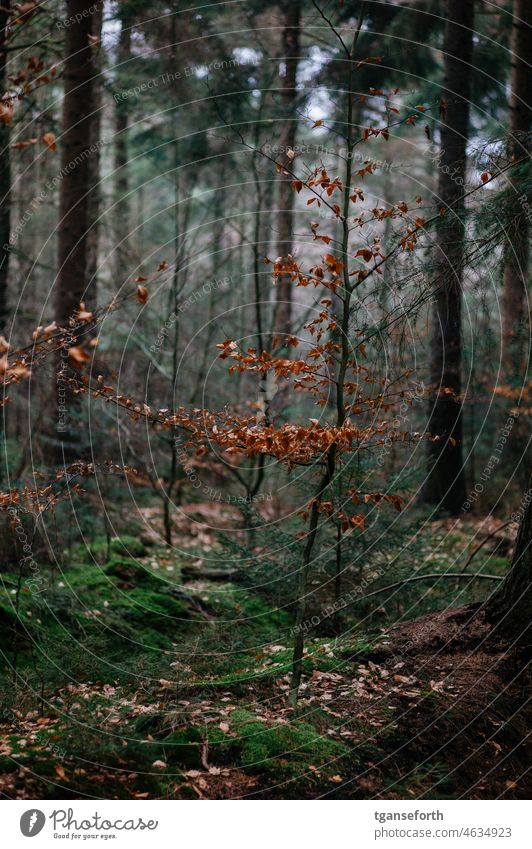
(49, 329)
(24, 11)
(83, 314)
(20, 145)
(77, 357)
(6, 111)
(142, 294)
(49, 140)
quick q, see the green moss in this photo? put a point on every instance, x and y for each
(100, 548)
(7, 764)
(127, 573)
(128, 546)
(183, 748)
(230, 603)
(278, 747)
(7, 618)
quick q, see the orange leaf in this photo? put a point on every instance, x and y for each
(83, 314)
(22, 144)
(6, 111)
(142, 294)
(49, 140)
(77, 357)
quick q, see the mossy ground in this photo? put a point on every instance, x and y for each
(131, 683)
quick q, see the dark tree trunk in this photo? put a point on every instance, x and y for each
(94, 166)
(78, 110)
(516, 254)
(287, 138)
(121, 186)
(5, 175)
(511, 605)
(75, 209)
(444, 485)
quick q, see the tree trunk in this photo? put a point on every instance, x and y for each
(287, 138)
(5, 175)
(94, 166)
(516, 253)
(72, 287)
(121, 186)
(444, 484)
(511, 604)
(78, 110)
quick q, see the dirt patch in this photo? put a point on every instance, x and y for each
(470, 726)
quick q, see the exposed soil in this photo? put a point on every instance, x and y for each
(475, 720)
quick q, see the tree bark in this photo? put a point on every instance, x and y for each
(75, 208)
(5, 175)
(517, 249)
(78, 110)
(287, 138)
(511, 604)
(444, 484)
(121, 185)
(94, 201)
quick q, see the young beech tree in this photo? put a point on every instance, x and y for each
(331, 364)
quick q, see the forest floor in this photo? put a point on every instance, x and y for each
(112, 702)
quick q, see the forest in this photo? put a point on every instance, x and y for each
(265, 466)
